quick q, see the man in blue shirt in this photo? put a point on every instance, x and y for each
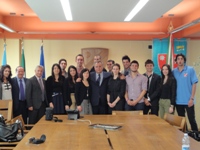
(186, 87)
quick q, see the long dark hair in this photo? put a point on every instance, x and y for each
(2, 71)
(70, 80)
(83, 71)
(170, 75)
(60, 73)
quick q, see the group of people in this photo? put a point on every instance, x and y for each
(100, 91)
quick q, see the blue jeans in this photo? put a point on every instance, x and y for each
(138, 106)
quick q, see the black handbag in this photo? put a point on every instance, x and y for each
(9, 132)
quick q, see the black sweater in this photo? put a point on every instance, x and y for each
(168, 90)
(81, 93)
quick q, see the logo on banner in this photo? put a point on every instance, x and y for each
(162, 59)
(180, 48)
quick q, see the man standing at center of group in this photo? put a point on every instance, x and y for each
(36, 96)
(99, 83)
(80, 63)
(152, 96)
(136, 87)
(63, 65)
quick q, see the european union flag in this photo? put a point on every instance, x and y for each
(42, 61)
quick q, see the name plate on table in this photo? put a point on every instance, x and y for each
(105, 126)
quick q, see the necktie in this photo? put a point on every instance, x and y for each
(98, 79)
(21, 90)
(148, 84)
(42, 88)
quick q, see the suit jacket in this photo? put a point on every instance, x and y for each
(99, 92)
(15, 92)
(154, 89)
(34, 93)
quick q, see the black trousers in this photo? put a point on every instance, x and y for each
(190, 113)
(153, 109)
(101, 108)
(36, 114)
(21, 110)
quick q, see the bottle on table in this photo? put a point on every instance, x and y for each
(185, 142)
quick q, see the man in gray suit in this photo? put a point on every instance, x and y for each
(36, 96)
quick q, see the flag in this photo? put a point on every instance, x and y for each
(180, 46)
(159, 53)
(4, 58)
(42, 61)
(22, 62)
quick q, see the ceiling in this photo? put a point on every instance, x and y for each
(98, 19)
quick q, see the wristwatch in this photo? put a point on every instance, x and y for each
(192, 98)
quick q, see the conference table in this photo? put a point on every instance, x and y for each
(138, 132)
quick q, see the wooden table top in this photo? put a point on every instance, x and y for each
(138, 132)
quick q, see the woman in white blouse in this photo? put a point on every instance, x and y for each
(5, 83)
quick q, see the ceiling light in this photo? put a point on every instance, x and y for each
(66, 9)
(136, 9)
(6, 28)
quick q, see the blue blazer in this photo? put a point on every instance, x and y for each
(99, 92)
(15, 92)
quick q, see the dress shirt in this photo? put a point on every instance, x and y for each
(134, 86)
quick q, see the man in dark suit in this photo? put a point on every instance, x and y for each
(36, 96)
(18, 94)
(152, 96)
(99, 82)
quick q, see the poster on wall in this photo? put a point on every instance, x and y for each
(89, 53)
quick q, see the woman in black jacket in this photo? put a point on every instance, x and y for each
(70, 86)
(168, 91)
(116, 90)
(56, 91)
(82, 93)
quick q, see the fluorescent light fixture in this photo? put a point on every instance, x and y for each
(6, 28)
(66, 9)
(136, 9)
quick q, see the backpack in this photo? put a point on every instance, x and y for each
(9, 132)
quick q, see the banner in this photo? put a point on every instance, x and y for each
(165, 51)
(180, 46)
(159, 53)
